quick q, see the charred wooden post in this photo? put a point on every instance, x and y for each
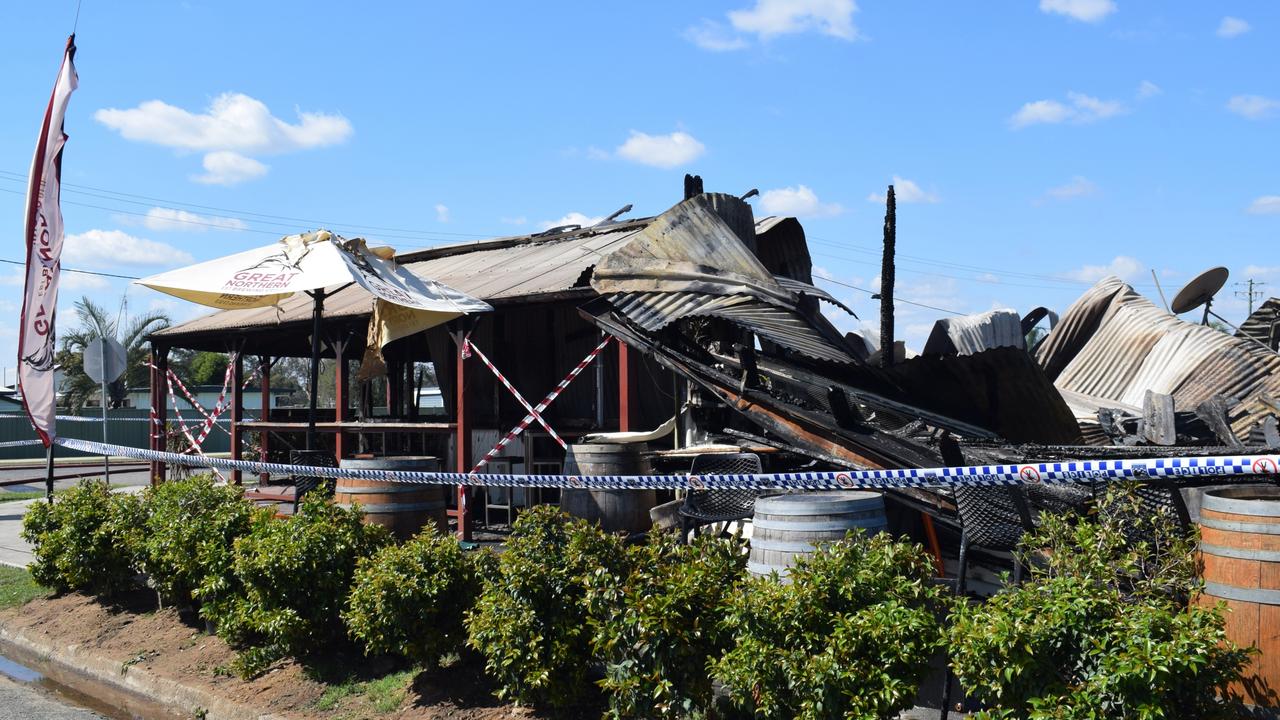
(462, 434)
(1214, 414)
(341, 381)
(264, 392)
(161, 373)
(237, 414)
(1158, 419)
(692, 185)
(887, 279)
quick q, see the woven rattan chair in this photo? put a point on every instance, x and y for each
(709, 507)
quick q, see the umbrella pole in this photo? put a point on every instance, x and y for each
(316, 314)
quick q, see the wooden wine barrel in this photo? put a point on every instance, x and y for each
(403, 508)
(613, 510)
(786, 527)
(1240, 551)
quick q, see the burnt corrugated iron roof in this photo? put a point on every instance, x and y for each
(499, 269)
(785, 327)
(1112, 344)
(1259, 324)
(692, 261)
(974, 333)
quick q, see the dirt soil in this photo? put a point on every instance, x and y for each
(171, 646)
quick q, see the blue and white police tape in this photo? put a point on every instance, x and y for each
(19, 443)
(1049, 473)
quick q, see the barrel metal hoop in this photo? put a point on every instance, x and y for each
(831, 526)
(800, 546)
(756, 568)
(1232, 525)
(396, 508)
(1240, 553)
(380, 490)
(1254, 595)
(1242, 506)
(771, 506)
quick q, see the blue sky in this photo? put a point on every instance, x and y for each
(1036, 144)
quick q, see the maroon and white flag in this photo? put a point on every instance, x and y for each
(44, 252)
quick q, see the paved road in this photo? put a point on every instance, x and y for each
(24, 702)
(13, 549)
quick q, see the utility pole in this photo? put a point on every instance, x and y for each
(1250, 294)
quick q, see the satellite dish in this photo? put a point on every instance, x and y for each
(1199, 291)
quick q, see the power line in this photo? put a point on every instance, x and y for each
(896, 299)
(82, 272)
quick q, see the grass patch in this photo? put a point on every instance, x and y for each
(383, 695)
(17, 495)
(17, 587)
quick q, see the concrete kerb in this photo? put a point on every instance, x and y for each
(132, 688)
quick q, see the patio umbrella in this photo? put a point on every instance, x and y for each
(312, 262)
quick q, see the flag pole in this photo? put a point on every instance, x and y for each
(48, 473)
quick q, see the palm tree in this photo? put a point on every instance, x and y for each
(96, 322)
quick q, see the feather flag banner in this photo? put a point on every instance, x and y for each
(43, 238)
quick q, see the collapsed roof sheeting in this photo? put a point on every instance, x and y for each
(1263, 324)
(691, 262)
(1113, 345)
(971, 334)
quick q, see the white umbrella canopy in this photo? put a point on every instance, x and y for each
(311, 262)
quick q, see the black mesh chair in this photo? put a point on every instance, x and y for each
(304, 484)
(708, 507)
(992, 518)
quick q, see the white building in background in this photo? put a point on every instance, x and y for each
(207, 396)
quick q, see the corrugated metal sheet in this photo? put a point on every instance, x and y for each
(1258, 325)
(505, 268)
(785, 327)
(974, 333)
(690, 261)
(1112, 345)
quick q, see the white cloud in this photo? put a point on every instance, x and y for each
(664, 151)
(573, 218)
(770, 18)
(114, 247)
(1254, 107)
(798, 201)
(229, 168)
(1123, 267)
(442, 213)
(172, 220)
(1265, 205)
(1082, 10)
(783, 17)
(1260, 270)
(233, 121)
(1232, 27)
(232, 128)
(905, 191)
(1077, 187)
(1148, 89)
(713, 36)
(1082, 109)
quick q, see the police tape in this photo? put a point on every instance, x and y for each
(87, 419)
(19, 443)
(1049, 473)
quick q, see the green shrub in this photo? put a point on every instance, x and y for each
(530, 621)
(291, 578)
(1101, 628)
(849, 637)
(410, 599)
(656, 630)
(86, 541)
(191, 525)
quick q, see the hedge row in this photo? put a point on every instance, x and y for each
(567, 611)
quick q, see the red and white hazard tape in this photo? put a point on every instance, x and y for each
(533, 413)
(551, 396)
